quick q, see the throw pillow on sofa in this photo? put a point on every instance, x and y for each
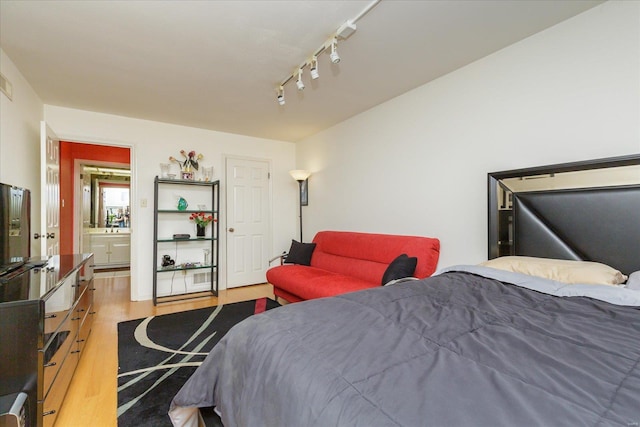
(401, 267)
(300, 253)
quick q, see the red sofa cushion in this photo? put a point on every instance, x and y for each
(347, 261)
(309, 282)
(366, 256)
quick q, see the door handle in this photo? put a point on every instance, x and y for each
(231, 230)
(51, 235)
(37, 236)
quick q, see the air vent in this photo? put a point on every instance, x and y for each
(202, 278)
(6, 87)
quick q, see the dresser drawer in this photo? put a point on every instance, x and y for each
(59, 345)
(85, 296)
(53, 399)
(58, 304)
(85, 331)
(52, 322)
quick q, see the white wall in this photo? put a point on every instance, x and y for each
(152, 143)
(417, 164)
(20, 139)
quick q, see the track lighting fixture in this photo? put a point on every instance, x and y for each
(299, 83)
(335, 58)
(343, 32)
(314, 68)
(281, 95)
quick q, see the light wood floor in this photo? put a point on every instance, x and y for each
(92, 397)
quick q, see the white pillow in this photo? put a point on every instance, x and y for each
(564, 271)
(634, 281)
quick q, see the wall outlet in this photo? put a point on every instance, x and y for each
(143, 203)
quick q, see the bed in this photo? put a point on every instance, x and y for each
(474, 345)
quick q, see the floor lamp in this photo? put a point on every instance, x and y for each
(302, 176)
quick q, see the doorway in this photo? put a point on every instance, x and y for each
(77, 195)
(104, 225)
(248, 219)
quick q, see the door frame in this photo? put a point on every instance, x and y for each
(133, 191)
(224, 208)
(77, 194)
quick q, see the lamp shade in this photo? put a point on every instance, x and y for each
(299, 174)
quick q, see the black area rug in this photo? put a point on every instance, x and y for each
(157, 355)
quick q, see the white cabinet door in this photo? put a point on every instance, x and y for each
(120, 249)
(100, 249)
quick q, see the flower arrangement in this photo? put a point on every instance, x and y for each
(190, 160)
(202, 219)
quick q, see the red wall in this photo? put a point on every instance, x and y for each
(69, 152)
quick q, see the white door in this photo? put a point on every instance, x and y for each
(49, 191)
(248, 222)
(84, 213)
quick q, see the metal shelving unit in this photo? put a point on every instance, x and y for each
(160, 186)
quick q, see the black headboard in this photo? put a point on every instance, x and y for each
(594, 224)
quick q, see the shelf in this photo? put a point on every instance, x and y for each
(192, 239)
(185, 296)
(180, 268)
(185, 182)
(208, 191)
(190, 211)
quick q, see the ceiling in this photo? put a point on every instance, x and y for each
(216, 64)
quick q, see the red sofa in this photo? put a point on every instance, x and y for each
(347, 261)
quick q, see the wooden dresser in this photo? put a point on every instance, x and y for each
(46, 315)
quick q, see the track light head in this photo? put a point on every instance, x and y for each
(330, 46)
(314, 68)
(299, 82)
(335, 58)
(281, 95)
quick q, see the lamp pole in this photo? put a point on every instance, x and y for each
(300, 203)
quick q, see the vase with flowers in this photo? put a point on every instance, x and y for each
(189, 164)
(202, 220)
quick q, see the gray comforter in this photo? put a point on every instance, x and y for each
(456, 349)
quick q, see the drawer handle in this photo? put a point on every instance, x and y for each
(48, 365)
(79, 340)
(81, 310)
(92, 312)
(92, 289)
(75, 351)
(50, 316)
(53, 411)
(76, 318)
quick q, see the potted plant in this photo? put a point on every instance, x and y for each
(202, 220)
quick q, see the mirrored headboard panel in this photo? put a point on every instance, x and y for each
(584, 211)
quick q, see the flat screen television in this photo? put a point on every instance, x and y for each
(15, 227)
